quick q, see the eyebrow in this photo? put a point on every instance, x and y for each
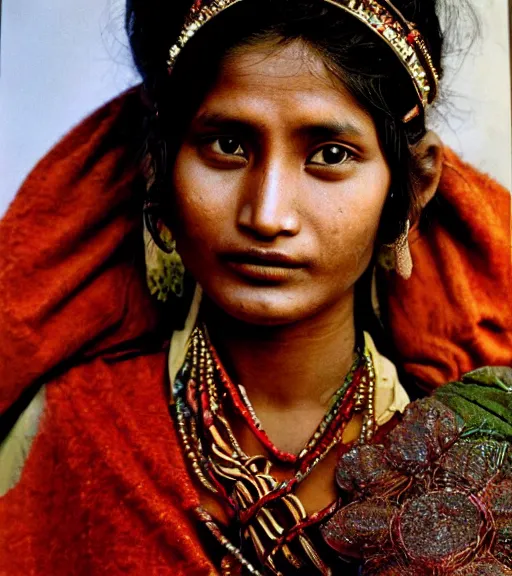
(218, 120)
(313, 130)
(330, 129)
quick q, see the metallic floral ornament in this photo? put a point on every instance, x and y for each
(435, 497)
(381, 17)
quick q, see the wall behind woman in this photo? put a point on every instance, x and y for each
(476, 120)
(60, 60)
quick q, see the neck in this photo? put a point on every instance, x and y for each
(300, 364)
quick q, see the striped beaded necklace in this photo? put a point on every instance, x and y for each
(275, 530)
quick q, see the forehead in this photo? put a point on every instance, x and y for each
(285, 83)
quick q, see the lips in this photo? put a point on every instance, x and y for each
(263, 265)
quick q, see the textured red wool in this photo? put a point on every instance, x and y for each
(455, 313)
(105, 489)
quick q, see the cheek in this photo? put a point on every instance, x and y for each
(349, 232)
(199, 200)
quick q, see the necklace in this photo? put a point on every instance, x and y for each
(275, 530)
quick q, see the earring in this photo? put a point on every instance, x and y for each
(165, 273)
(403, 258)
(397, 256)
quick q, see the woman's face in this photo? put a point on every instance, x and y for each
(280, 184)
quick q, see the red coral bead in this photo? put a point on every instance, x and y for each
(411, 37)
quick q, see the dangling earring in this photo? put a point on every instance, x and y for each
(397, 256)
(165, 273)
(403, 258)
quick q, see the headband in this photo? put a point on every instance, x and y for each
(381, 17)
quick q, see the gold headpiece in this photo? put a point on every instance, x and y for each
(381, 17)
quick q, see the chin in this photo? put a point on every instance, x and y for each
(255, 318)
(264, 306)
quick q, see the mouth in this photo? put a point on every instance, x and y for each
(266, 266)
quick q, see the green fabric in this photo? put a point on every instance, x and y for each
(483, 399)
(15, 448)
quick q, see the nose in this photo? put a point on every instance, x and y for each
(268, 202)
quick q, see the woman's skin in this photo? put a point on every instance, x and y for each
(279, 188)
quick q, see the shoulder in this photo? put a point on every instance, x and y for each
(102, 471)
(100, 407)
(71, 266)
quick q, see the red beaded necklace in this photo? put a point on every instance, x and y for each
(273, 523)
(331, 420)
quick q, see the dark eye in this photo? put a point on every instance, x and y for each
(330, 155)
(227, 146)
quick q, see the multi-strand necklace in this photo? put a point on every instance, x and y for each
(275, 530)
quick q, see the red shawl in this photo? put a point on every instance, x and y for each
(104, 489)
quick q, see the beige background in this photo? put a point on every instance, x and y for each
(61, 59)
(476, 121)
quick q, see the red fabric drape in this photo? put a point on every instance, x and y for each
(455, 313)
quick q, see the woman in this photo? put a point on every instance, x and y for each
(286, 152)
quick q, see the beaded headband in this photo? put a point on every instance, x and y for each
(381, 17)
